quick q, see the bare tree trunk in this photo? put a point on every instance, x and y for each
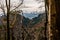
(8, 12)
(8, 28)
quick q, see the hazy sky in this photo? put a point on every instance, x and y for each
(28, 5)
(33, 5)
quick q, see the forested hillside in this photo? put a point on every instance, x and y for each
(29, 27)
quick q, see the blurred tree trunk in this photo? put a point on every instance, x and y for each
(54, 25)
(57, 2)
(8, 12)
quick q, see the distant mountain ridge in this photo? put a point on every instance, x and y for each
(29, 22)
(31, 15)
(34, 20)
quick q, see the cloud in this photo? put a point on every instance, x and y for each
(32, 5)
(28, 5)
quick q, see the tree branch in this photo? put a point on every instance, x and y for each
(2, 21)
(6, 4)
(15, 16)
(18, 5)
(2, 7)
(14, 20)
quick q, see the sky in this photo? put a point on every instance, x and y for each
(33, 5)
(28, 6)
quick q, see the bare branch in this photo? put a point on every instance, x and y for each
(3, 22)
(2, 7)
(18, 5)
(6, 4)
(14, 19)
(15, 16)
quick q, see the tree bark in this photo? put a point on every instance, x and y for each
(8, 12)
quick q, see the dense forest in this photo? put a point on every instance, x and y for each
(30, 28)
(22, 20)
